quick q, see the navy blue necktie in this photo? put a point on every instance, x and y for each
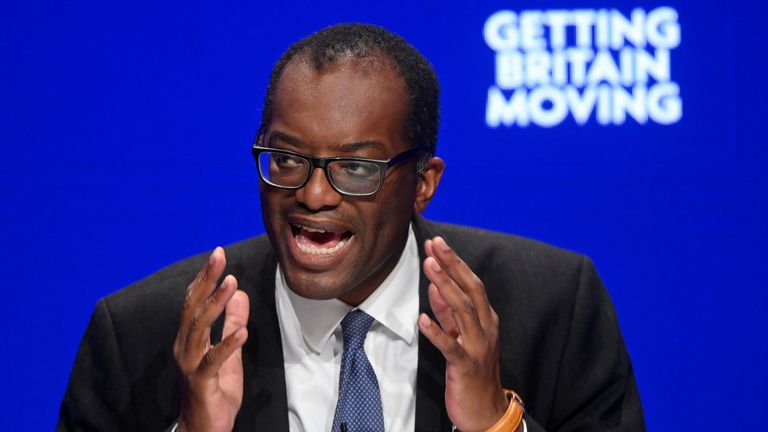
(359, 405)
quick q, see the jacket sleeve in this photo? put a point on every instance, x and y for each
(98, 394)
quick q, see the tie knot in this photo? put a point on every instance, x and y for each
(355, 328)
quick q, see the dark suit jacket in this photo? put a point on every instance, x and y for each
(561, 348)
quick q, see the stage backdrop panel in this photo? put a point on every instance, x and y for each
(631, 131)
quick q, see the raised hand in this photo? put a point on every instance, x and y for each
(467, 336)
(211, 377)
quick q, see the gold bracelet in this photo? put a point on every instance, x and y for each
(511, 419)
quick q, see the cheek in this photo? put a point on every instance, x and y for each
(389, 215)
(401, 198)
(265, 209)
(273, 199)
(270, 210)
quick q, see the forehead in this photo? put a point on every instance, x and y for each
(350, 101)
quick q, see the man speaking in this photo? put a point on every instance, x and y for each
(354, 313)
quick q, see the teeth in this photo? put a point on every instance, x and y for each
(306, 248)
(311, 229)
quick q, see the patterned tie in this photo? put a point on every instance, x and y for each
(359, 405)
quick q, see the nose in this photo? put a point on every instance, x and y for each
(318, 194)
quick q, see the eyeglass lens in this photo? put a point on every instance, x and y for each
(348, 176)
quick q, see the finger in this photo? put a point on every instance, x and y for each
(428, 248)
(209, 274)
(217, 355)
(464, 278)
(200, 289)
(461, 305)
(447, 345)
(236, 317)
(236, 314)
(442, 311)
(199, 334)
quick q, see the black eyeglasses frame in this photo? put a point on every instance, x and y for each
(319, 162)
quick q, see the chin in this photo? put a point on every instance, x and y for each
(314, 286)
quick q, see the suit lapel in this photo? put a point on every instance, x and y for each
(430, 376)
(264, 395)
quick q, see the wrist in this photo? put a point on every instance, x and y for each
(512, 417)
(180, 426)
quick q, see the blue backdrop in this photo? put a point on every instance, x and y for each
(126, 129)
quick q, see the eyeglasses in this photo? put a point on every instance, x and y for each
(357, 177)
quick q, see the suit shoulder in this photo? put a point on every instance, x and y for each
(165, 287)
(528, 272)
(144, 316)
(481, 243)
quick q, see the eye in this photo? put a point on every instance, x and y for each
(286, 161)
(357, 169)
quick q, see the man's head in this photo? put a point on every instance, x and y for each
(363, 43)
(348, 91)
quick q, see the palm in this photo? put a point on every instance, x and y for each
(466, 333)
(211, 375)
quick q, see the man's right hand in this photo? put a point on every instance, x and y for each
(211, 377)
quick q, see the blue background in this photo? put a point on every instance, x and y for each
(126, 128)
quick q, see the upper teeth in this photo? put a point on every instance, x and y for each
(312, 229)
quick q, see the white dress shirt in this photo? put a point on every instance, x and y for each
(312, 347)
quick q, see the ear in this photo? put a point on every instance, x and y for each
(428, 181)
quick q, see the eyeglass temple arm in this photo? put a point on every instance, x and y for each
(406, 155)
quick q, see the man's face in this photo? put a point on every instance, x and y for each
(330, 245)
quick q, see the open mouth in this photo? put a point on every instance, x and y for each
(318, 241)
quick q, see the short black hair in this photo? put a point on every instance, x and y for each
(340, 42)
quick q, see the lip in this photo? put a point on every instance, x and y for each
(317, 262)
(318, 224)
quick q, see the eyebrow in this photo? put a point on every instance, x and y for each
(345, 147)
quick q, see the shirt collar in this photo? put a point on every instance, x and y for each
(394, 304)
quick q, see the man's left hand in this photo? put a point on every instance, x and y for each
(468, 337)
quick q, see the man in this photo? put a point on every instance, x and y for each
(346, 159)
